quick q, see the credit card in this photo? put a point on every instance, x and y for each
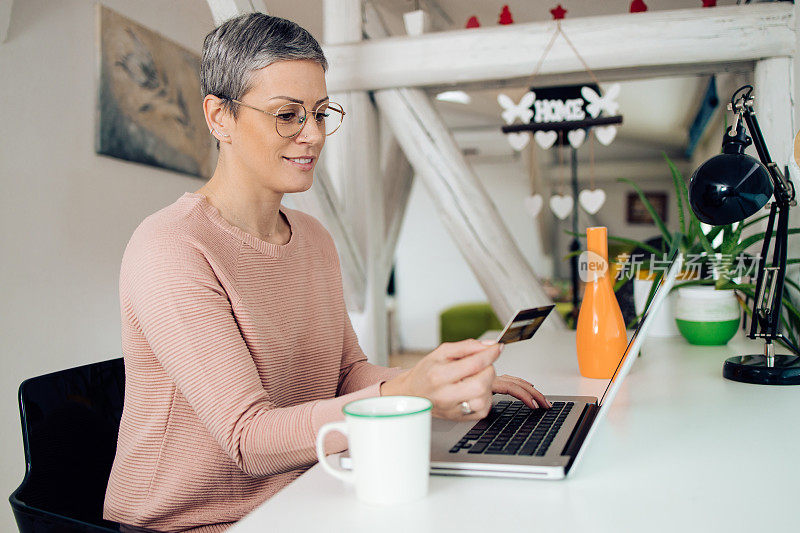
(524, 324)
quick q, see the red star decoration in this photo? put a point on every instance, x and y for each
(638, 6)
(473, 22)
(558, 12)
(709, 3)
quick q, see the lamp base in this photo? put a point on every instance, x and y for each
(754, 369)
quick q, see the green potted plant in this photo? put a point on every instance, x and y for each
(716, 259)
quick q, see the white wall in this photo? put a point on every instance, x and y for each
(430, 273)
(66, 213)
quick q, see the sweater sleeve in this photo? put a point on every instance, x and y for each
(186, 316)
(355, 374)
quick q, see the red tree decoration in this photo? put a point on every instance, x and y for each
(709, 3)
(558, 12)
(473, 22)
(638, 6)
(505, 16)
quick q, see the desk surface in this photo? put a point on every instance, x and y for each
(682, 449)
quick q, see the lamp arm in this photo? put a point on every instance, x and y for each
(788, 343)
(784, 191)
(770, 280)
(759, 321)
(779, 264)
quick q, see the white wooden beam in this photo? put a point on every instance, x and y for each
(223, 10)
(632, 43)
(347, 165)
(774, 92)
(341, 24)
(423, 137)
(774, 101)
(356, 169)
(398, 177)
(396, 172)
(464, 207)
(621, 74)
(5, 18)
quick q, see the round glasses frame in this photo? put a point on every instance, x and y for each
(302, 120)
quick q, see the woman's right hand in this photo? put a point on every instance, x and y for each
(453, 373)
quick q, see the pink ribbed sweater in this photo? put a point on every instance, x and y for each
(236, 352)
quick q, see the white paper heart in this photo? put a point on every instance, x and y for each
(592, 201)
(561, 205)
(605, 134)
(518, 140)
(533, 204)
(576, 138)
(545, 139)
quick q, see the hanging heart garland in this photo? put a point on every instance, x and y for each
(545, 139)
(576, 138)
(518, 140)
(592, 200)
(572, 105)
(605, 134)
(561, 205)
(533, 204)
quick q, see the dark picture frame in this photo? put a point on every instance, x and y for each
(149, 106)
(637, 213)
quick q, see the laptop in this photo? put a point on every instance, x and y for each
(517, 441)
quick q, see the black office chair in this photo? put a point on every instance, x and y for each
(70, 421)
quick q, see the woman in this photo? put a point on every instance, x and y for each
(236, 340)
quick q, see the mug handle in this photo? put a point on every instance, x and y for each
(341, 427)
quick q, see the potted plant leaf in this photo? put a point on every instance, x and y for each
(716, 259)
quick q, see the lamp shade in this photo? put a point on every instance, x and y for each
(728, 188)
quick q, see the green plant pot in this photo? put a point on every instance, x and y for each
(707, 316)
(708, 333)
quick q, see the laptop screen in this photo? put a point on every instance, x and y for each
(671, 274)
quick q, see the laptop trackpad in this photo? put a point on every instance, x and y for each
(440, 425)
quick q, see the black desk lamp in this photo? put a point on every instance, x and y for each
(728, 188)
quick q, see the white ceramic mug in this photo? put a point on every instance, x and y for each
(390, 447)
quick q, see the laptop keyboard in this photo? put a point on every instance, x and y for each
(513, 428)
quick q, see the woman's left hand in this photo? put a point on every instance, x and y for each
(519, 388)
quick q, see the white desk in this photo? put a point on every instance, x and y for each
(682, 450)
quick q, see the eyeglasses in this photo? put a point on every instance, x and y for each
(290, 118)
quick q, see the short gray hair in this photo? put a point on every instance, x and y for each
(241, 45)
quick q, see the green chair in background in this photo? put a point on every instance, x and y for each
(467, 321)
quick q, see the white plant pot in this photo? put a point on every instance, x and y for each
(707, 316)
(664, 321)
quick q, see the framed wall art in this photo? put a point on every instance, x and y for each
(637, 213)
(149, 106)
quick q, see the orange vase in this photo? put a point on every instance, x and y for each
(601, 335)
